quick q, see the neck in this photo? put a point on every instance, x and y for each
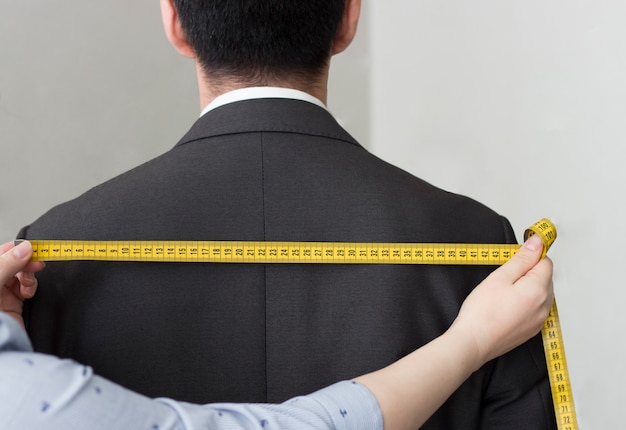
(209, 88)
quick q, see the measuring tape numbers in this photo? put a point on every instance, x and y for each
(273, 252)
(560, 385)
(336, 253)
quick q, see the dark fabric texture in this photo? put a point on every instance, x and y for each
(272, 170)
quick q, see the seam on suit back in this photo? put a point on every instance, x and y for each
(262, 155)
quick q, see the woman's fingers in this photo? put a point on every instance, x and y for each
(523, 261)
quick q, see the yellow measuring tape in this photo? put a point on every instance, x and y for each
(336, 253)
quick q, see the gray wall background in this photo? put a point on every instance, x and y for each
(89, 90)
(520, 105)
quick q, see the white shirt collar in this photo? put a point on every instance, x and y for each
(261, 93)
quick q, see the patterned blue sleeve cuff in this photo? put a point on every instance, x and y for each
(343, 406)
(12, 336)
(350, 406)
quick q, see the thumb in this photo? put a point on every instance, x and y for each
(14, 260)
(523, 260)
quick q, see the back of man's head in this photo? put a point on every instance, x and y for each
(261, 40)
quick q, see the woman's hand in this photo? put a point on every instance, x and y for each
(17, 277)
(510, 305)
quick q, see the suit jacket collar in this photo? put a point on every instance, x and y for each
(270, 115)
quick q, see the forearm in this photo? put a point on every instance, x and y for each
(410, 390)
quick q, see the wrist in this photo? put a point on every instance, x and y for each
(17, 316)
(472, 356)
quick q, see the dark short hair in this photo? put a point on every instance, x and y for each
(256, 39)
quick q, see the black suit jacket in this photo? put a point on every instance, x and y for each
(278, 170)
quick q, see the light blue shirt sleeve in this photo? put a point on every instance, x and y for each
(40, 391)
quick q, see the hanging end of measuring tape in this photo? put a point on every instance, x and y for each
(546, 230)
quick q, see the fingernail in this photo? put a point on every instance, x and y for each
(22, 249)
(28, 279)
(534, 243)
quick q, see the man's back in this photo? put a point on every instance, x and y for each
(278, 170)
